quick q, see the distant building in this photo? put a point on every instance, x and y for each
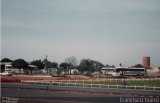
(155, 71)
(5, 66)
(146, 61)
(32, 69)
(52, 70)
(107, 70)
(73, 71)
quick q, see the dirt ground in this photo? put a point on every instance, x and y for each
(18, 78)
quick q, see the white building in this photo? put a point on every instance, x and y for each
(155, 71)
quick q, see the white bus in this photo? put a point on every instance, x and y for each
(124, 71)
(130, 71)
(110, 71)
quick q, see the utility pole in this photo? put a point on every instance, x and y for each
(45, 63)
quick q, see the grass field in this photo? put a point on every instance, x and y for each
(129, 83)
(112, 81)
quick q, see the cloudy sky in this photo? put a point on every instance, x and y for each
(109, 31)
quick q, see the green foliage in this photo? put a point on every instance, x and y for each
(90, 65)
(129, 83)
(148, 67)
(85, 65)
(49, 64)
(142, 83)
(38, 63)
(138, 66)
(52, 65)
(97, 65)
(6, 60)
(121, 76)
(20, 63)
(65, 65)
(89, 74)
(58, 75)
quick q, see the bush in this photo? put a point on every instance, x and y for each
(121, 76)
(56, 75)
(89, 74)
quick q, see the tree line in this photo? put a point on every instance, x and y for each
(69, 63)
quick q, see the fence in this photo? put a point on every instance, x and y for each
(70, 83)
(104, 80)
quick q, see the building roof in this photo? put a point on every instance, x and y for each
(33, 66)
(5, 63)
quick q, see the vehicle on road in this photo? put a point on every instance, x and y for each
(6, 73)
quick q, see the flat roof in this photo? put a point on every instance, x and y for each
(34, 66)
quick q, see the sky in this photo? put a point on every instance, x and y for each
(109, 31)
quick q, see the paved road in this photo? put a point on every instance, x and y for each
(69, 94)
(107, 91)
(54, 94)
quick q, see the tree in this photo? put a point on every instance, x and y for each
(110, 66)
(51, 64)
(71, 60)
(90, 65)
(38, 63)
(85, 65)
(138, 66)
(54, 64)
(48, 64)
(20, 64)
(97, 65)
(6, 60)
(64, 65)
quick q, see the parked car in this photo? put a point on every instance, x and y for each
(5, 73)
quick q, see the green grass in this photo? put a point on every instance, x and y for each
(129, 83)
